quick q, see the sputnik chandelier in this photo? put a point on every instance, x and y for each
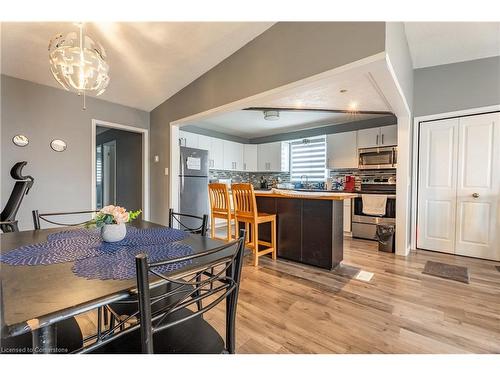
(78, 63)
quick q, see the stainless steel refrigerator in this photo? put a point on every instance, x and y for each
(193, 184)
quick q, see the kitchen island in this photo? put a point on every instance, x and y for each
(309, 225)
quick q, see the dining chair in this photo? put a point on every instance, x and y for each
(37, 217)
(22, 186)
(178, 328)
(187, 222)
(220, 208)
(245, 211)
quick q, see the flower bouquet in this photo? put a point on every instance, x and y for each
(111, 219)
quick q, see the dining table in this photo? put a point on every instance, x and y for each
(35, 297)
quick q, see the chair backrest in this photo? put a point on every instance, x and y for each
(244, 201)
(219, 285)
(188, 223)
(21, 188)
(219, 198)
(38, 216)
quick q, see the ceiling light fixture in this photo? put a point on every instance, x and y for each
(78, 63)
(271, 115)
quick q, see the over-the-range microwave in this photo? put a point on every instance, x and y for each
(377, 157)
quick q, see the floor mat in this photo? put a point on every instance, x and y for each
(447, 271)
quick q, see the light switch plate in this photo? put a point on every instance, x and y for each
(166, 171)
(157, 158)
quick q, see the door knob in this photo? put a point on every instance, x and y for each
(475, 195)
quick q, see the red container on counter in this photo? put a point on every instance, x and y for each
(349, 184)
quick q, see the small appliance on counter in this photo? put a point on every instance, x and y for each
(349, 184)
(263, 183)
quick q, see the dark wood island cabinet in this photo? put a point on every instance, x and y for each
(309, 226)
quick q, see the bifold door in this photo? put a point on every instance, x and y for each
(459, 185)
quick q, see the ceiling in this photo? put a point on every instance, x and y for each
(251, 124)
(149, 62)
(362, 94)
(437, 43)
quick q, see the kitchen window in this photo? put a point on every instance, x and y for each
(308, 159)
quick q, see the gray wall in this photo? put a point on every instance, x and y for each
(42, 113)
(458, 86)
(128, 166)
(286, 52)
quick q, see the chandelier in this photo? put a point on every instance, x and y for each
(78, 63)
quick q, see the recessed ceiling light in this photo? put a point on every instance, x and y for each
(271, 115)
(343, 91)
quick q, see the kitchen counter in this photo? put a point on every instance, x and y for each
(324, 195)
(309, 225)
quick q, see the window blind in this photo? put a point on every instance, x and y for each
(308, 159)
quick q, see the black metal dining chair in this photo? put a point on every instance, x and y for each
(119, 311)
(177, 328)
(38, 217)
(188, 223)
(8, 222)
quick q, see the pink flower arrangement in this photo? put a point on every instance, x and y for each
(114, 215)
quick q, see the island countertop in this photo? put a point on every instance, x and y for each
(282, 193)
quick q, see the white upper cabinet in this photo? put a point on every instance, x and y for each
(188, 139)
(204, 142)
(250, 158)
(341, 149)
(216, 154)
(273, 157)
(377, 137)
(233, 156)
(389, 135)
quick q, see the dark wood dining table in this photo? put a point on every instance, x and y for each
(34, 298)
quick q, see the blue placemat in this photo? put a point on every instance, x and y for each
(104, 260)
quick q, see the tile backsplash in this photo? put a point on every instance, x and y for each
(252, 177)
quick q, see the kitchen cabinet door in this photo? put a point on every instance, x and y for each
(389, 135)
(188, 139)
(342, 150)
(269, 157)
(369, 137)
(216, 154)
(233, 156)
(204, 142)
(250, 158)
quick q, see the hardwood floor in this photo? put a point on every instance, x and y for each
(285, 307)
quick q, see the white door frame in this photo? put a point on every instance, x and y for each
(145, 161)
(416, 129)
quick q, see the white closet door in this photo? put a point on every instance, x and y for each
(437, 185)
(478, 187)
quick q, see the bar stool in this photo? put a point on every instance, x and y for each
(245, 211)
(220, 208)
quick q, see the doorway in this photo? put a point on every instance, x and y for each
(120, 166)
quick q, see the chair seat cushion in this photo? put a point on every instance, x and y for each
(69, 338)
(194, 336)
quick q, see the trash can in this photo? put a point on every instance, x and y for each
(385, 237)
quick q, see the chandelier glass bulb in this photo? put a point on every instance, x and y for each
(78, 63)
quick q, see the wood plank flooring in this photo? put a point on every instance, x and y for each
(286, 307)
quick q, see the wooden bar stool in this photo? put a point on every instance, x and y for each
(220, 208)
(245, 211)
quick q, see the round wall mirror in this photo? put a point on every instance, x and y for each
(20, 140)
(58, 145)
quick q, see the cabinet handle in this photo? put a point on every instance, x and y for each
(382, 138)
(377, 140)
(475, 195)
(245, 166)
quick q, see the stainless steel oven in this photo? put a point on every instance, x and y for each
(377, 157)
(363, 225)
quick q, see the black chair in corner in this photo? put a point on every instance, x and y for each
(8, 222)
(178, 329)
(121, 310)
